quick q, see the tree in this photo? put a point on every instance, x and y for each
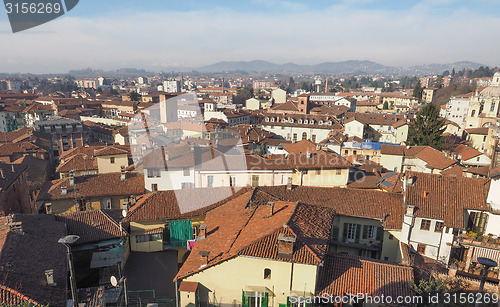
(261, 150)
(134, 96)
(418, 90)
(291, 86)
(427, 128)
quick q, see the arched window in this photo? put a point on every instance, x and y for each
(267, 273)
(304, 136)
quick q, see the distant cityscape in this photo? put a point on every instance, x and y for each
(251, 184)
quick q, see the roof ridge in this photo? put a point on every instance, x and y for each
(112, 220)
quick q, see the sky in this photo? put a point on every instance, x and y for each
(160, 35)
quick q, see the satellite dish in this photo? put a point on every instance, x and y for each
(124, 213)
(113, 281)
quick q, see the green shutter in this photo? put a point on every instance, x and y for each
(265, 299)
(365, 231)
(180, 232)
(288, 304)
(358, 232)
(244, 299)
(344, 234)
(335, 234)
(380, 232)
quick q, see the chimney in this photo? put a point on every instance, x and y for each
(12, 168)
(16, 227)
(64, 190)
(270, 208)
(308, 154)
(285, 245)
(123, 175)
(409, 210)
(202, 232)
(1, 173)
(71, 178)
(49, 275)
(204, 255)
(289, 184)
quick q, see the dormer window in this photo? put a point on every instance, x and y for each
(311, 122)
(267, 119)
(306, 122)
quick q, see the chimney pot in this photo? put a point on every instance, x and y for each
(64, 190)
(410, 209)
(202, 232)
(270, 208)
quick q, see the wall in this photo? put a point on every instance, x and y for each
(68, 205)
(227, 280)
(105, 166)
(243, 178)
(325, 177)
(171, 179)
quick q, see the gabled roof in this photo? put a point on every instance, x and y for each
(164, 205)
(287, 106)
(481, 131)
(26, 255)
(92, 226)
(318, 159)
(446, 197)
(302, 146)
(100, 185)
(78, 162)
(247, 228)
(374, 119)
(350, 275)
(466, 152)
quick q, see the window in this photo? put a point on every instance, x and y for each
(112, 160)
(267, 273)
(48, 208)
(210, 181)
(153, 172)
(304, 135)
(339, 172)
(232, 181)
(351, 232)
(295, 137)
(255, 299)
(186, 171)
(439, 227)
(421, 248)
(391, 237)
(425, 224)
(370, 232)
(148, 238)
(154, 187)
(255, 180)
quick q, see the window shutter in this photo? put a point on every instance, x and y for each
(180, 232)
(358, 232)
(265, 299)
(244, 299)
(288, 304)
(335, 233)
(380, 232)
(365, 232)
(344, 234)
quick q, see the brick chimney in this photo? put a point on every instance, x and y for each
(204, 255)
(202, 232)
(270, 209)
(123, 175)
(71, 178)
(285, 245)
(410, 210)
(289, 184)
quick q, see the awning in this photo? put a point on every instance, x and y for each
(486, 253)
(259, 289)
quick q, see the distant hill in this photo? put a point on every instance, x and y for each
(345, 67)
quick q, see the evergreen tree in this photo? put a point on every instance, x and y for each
(427, 128)
(418, 90)
(134, 96)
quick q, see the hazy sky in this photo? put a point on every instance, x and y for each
(158, 34)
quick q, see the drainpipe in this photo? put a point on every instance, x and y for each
(177, 303)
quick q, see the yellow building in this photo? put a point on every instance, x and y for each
(275, 252)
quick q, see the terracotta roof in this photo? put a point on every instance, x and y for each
(434, 158)
(368, 181)
(92, 226)
(374, 119)
(302, 146)
(445, 197)
(254, 230)
(11, 297)
(344, 201)
(99, 185)
(465, 151)
(170, 156)
(37, 171)
(481, 131)
(10, 173)
(24, 258)
(180, 203)
(287, 106)
(78, 162)
(188, 286)
(7, 137)
(350, 275)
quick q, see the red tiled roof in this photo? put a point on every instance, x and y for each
(11, 297)
(92, 226)
(78, 162)
(445, 197)
(188, 286)
(345, 201)
(180, 203)
(465, 151)
(374, 119)
(98, 185)
(302, 146)
(318, 159)
(351, 275)
(253, 231)
(481, 131)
